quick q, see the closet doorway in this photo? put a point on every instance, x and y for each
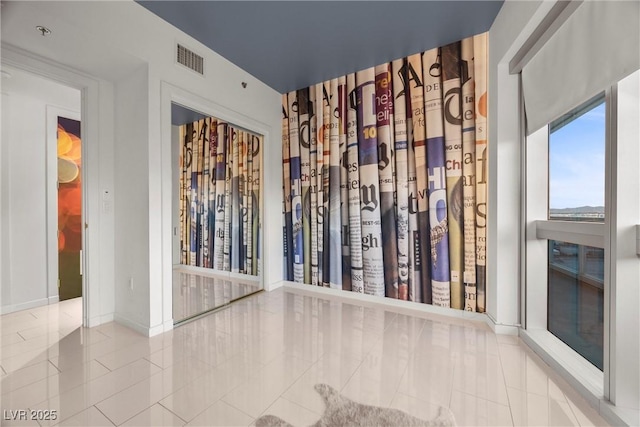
(216, 177)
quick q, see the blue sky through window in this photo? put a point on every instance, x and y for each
(576, 162)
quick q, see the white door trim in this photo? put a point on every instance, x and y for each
(89, 88)
(172, 94)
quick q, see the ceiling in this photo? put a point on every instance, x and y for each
(181, 115)
(290, 45)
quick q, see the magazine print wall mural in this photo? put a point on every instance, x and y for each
(220, 197)
(385, 179)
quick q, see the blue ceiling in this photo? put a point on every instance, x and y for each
(293, 44)
(181, 115)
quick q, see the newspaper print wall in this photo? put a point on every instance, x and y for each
(390, 164)
(220, 196)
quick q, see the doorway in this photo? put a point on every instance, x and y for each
(69, 189)
(216, 191)
(42, 231)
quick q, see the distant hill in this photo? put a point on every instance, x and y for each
(579, 210)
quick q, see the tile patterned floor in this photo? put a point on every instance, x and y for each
(263, 355)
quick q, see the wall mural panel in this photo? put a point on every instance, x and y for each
(220, 197)
(385, 179)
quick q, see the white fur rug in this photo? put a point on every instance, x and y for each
(340, 411)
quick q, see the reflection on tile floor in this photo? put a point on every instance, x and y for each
(195, 293)
(263, 355)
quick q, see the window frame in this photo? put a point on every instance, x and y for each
(539, 229)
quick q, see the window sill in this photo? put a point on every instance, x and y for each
(579, 373)
(572, 367)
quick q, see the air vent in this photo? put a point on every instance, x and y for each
(190, 59)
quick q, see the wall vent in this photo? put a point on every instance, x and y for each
(190, 59)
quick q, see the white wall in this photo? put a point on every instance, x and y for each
(86, 38)
(513, 25)
(132, 200)
(24, 185)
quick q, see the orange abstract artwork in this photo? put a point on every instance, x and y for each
(69, 190)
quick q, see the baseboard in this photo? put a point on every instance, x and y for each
(273, 286)
(99, 320)
(409, 306)
(10, 308)
(501, 328)
(141, 329)
(54, 299)
(161, 329)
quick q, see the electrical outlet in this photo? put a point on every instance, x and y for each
(130, 283)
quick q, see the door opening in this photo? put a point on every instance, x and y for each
(69, 194)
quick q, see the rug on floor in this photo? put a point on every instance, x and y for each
(341, 411)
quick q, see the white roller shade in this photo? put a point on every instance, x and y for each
(597, 46)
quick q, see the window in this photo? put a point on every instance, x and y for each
(577, 163)
(575, 271)
(576, 298)
(581, 269)
(567, 253)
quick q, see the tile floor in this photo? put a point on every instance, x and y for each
(263, 355)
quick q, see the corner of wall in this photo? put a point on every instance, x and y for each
(511, 28)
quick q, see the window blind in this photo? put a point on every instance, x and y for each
(597, 46)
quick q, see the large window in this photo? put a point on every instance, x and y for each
(575, 274)
(582, 263)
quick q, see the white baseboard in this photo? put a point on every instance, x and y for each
(408, 306)
(54, 299)
(273, 286)
(501, 328)
(10, 308)
(99, 320)
(160, 329)
(141, 329)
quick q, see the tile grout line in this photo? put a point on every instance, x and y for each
(295, 381)
(234, 407)
(55, 367)
(296, 404)
(187, 384)
(176, 415)
(504, 378)
(101, 364)
(125, 389)
(278, 396)
(96, 403)
(103, 414)
(406, 369)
